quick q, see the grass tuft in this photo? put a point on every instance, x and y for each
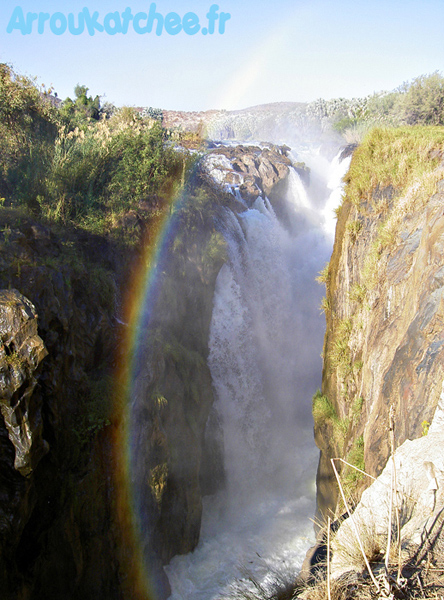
(323, 275)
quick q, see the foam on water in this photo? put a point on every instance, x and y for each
(265, 343)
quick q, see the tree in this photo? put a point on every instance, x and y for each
(422, 102)
(78, 112)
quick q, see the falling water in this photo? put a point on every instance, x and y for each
(265, 344)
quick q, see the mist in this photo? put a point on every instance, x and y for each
(265, 345)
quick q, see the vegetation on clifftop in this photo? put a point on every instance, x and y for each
(419, 102)
(399, 158)
(79, 163)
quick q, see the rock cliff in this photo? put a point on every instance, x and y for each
(58, 331)
(60, 532)
(172, 390)
(384, 306)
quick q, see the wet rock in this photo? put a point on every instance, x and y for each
(254, 170)
(348, 151)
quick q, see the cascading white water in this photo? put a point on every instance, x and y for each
(265, 344)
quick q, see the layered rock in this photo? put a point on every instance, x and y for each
(21, 353)
(384, 343)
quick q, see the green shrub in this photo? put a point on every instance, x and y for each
(76, 177)
(78, 112)
(325, 413)
(323, 410)
(356, 458)
(140, 164)
(356, 409)
(325, 305)
(340, 357)
(357, 293)
(353, 229)
(28, 129)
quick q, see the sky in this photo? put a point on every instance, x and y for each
(267, 51)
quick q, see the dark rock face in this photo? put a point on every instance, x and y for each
(61, 531)
(57, 529)
(173, 396)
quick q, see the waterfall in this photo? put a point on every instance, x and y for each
(265, 345)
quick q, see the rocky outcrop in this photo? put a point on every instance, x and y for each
(403, 508)
(252, 170)
(21, 352)
(418, 496)
(384, 343)
(395, 532)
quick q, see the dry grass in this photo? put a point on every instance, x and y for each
(402, 158)
(348, 554)
(348, 587)
(422, 576)
(323, 275)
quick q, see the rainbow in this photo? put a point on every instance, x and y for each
(141, 296)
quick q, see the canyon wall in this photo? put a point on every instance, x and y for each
(384, 343)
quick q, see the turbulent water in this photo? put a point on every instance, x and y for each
(265, 345)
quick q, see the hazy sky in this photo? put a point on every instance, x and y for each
(277, 50)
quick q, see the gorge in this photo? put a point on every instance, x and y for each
(203, 473)
(248, 358)
(264, 358)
